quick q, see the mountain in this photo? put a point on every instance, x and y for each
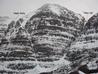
(85, 48)
(53, 28)
(14, 25)
(44, 35)
(88, 38)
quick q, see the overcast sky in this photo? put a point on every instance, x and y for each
(7, 7)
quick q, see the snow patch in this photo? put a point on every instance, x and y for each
(55, 9)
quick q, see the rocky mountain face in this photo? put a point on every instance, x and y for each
(52, 29)
(85, 48)
(45, 36)
(13, 27)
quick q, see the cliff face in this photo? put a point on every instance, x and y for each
(85, 48)
(89, 37)
(13, 27)
(53, 28)
(44, 35)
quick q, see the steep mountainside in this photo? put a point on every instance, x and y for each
(85, 48)
(44, 35)
(53, 28)
(89, 36)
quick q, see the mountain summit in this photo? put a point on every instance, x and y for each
(57, 9)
